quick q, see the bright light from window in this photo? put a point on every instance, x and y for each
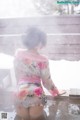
(16, 8)
(6, 61)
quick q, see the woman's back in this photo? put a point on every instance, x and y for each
(30, 69)
(29, 66)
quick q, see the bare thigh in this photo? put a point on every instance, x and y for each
(22, 111)
(35, 111)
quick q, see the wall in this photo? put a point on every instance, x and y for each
(63, 35)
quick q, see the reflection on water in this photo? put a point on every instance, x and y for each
(63, 110)
(74, 109)
(72, 113)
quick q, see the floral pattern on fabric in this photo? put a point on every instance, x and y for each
(29, 74)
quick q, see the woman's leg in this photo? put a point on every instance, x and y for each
(22, 113)
(36, 113)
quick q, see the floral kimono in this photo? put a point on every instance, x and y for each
(31, 72)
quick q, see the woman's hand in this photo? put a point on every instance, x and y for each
(55, 92)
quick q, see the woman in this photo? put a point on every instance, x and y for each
(32, 69)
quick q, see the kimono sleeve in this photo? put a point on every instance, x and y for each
(46, 76)
(47, 80)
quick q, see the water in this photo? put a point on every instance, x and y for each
(62, 110)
